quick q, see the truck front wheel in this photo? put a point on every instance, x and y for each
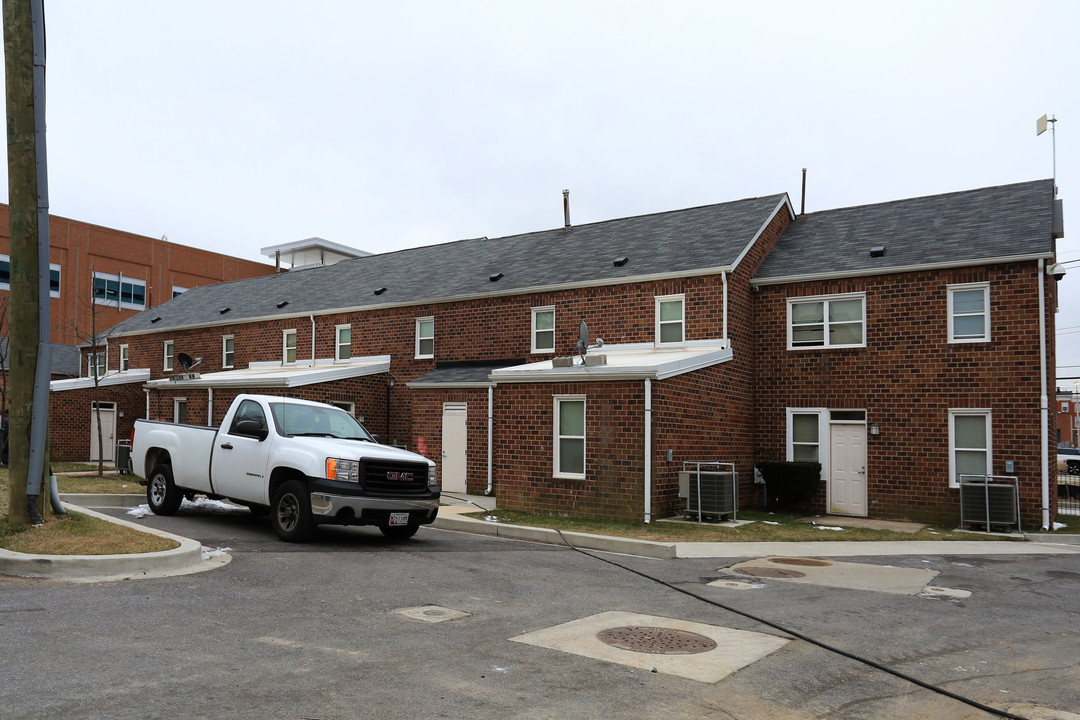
(161, 493)
(290, 512)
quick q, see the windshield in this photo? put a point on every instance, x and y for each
(317, 420)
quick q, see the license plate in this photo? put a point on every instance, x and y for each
(399, 518)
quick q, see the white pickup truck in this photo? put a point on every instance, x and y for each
(304, 463)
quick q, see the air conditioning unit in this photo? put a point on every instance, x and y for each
(718, 491)
(989, 504)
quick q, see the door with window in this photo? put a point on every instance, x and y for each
(107, 413)
(454, 440)
(847, 469)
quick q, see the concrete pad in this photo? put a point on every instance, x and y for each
(735, 649)
(851, 576)
(431, 614)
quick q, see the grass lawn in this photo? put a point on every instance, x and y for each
(78, 534)
(767, 527)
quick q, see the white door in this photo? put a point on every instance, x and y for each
(847, 474)
(454, 440)
(108, 431)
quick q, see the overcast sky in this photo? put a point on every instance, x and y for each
(234, 125)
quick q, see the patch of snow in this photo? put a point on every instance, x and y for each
(206, 504)
(141, 511)
(827, 527)
(491, 518)
(1059, 526)
(770, 522)
(218, 552)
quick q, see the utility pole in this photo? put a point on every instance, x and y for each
(24, 76)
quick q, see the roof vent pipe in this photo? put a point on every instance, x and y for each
(802, 204)
(566, 210)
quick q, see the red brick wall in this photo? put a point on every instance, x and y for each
(908, 377)
(69, 418)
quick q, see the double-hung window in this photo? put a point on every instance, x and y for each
(670, 319)
(569, 436)
(227, 350)
(167, 365)
(342, 342)
(805, 430)
(543, 329)
(969, 313)
(970, 446)
(119, 291)
(288, 346)
(124, 358)
(832, 321)
(425, 338)
(96, 364)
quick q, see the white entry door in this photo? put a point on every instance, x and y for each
(847, 474)
(108, 430)
(454, 441)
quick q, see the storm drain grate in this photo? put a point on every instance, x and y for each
(656, 640)
(768, 572)
(807, 562)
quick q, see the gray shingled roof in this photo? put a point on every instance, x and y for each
(63, 359)
(956, 228)
(669, 243)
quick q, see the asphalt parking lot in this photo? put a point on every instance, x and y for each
(450, 625)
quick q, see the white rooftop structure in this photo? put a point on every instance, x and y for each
(312, 252)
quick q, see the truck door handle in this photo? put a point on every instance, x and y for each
(226, 446)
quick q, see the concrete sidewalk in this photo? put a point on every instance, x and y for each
(191, 557)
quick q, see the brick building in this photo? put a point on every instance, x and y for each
(117, 274)
(900, 345)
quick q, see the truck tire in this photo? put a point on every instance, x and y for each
(290, 512)
(161, 493)
(399, 532)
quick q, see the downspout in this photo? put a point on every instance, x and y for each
(723, 277)
(490, 429)
(1044, 414)
(648, 450)
(312, 317)
(210, 406)
(147, 404)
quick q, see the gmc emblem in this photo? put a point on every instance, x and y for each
(395, 476)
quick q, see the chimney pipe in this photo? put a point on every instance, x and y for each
(566, 210)
(802, 205)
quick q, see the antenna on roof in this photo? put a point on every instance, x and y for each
(566, 210)
(1040, 128)
(802, 205)
(583, 341)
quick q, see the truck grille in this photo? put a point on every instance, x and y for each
(395, 479)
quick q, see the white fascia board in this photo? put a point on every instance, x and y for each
(113, 378)
(659, 365)
(899, 269)
(277, 375)
(784, 202)
(421, 385)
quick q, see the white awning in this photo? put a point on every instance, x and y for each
(277, 375)
(110, 378)
(623, 362)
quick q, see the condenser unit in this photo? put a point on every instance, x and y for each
(989, 504)
(717, 491)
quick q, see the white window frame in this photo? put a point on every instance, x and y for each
(286, 346)
(825, 301)
(339, 346)
(659, 325)
(179, 409)
(967, 287)
(558, 437)
(169, 354)
(228, 355)
(535, 332)
(1064, 406)
(422, 338)
(989, 449)
(121, 281)
(124, 359)
(178, 290)
(823, 434)
(97, 363)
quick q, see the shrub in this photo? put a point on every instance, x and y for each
(790, 483)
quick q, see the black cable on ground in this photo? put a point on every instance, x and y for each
(806, 638)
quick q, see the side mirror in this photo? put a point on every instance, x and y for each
(251, 428)
(377, 438)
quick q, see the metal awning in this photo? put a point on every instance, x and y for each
(277, 375)
(109, 378)
(623, 362)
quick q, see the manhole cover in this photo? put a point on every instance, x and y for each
(656, 640)
(768, 572)
(801, 561)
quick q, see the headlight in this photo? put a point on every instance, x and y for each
(343, 470)
(433, 476)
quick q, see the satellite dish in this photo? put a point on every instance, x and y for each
(186, 361)
(583, 341)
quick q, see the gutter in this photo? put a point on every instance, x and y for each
(897, 269)
(1044, 409)
(490, 430)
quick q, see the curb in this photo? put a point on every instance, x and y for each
(188, 554)
(585, 541)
